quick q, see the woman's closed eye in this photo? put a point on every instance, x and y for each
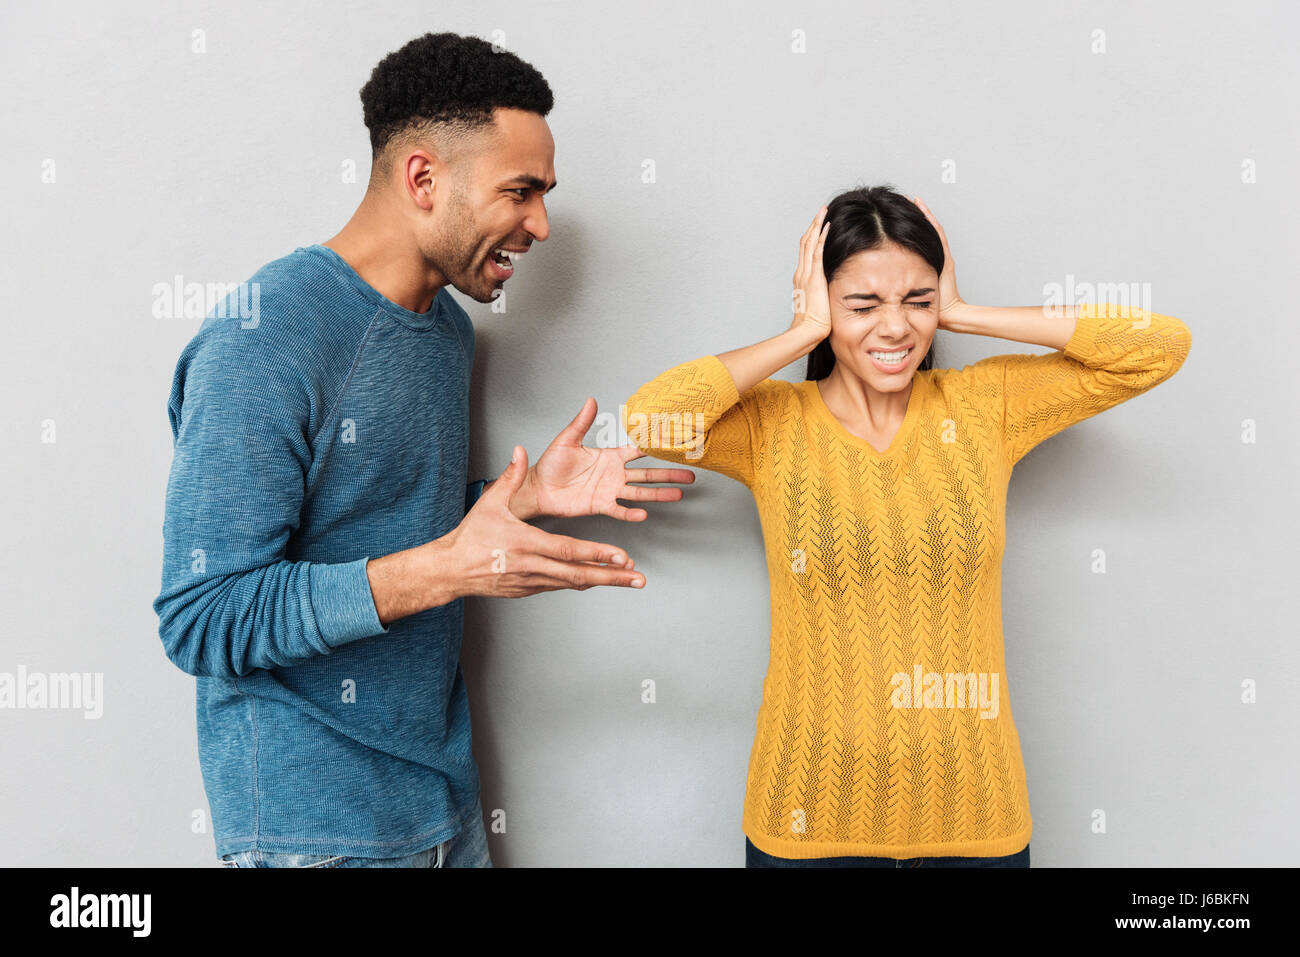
(923, 305)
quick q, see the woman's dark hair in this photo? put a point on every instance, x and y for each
(867, 218)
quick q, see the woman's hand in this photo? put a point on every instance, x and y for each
(949, 301)
(811, 299)
(750, 365)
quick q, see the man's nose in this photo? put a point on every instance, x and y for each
(536, 222)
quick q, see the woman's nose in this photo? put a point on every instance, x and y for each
(894, 320)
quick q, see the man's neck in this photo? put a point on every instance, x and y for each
(383, 255)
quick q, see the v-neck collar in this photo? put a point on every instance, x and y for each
(920, 384)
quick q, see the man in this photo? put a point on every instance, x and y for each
(317, 548)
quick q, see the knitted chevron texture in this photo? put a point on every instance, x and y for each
(885, 727)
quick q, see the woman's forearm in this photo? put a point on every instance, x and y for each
(752, 364)
(1036, 325)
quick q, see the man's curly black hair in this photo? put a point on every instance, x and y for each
(444, 86)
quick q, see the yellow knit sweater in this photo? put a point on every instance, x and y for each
(885, 728)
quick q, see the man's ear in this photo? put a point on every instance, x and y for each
(420, 178)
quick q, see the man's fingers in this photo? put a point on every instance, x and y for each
(566, 549)
(627, 514)
(508, 482)
(583, 574)
(573, 433)
(631, 451)
(627, 568)
(638, 493)
(679, 476)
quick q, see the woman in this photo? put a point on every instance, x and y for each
(885, 735)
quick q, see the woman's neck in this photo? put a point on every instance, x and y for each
(861, 407)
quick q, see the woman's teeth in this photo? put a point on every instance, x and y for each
(890, 358)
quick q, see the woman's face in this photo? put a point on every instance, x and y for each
(883, 301)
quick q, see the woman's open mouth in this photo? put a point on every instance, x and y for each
(891, 361)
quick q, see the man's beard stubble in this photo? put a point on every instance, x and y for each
(457, 247)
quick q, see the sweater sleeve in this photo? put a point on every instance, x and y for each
(473, 491)
(1111, 357)
(693, 415)
(231, 602)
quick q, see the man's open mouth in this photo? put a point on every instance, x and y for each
(503, 261)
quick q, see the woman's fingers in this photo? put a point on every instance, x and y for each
(821, 226)
(817, 253)
(806, 243)
(803, 247)
(810, 237)
(923, 208)
(933, 221)
(943, 237)
(804, 239)
(948, 294)
(812, 227)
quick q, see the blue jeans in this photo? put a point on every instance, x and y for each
(756, 858)
(467, 849)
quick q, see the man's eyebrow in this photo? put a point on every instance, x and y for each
(534, 182)
(871, 295)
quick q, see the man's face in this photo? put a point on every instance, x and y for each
(496, 203)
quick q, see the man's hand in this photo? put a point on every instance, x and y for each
(572, 479)
(492, 552)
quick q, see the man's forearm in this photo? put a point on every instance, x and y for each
(412, 580)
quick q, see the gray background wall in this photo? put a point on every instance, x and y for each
(1122, 166)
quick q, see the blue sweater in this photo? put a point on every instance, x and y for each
(322, 427)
